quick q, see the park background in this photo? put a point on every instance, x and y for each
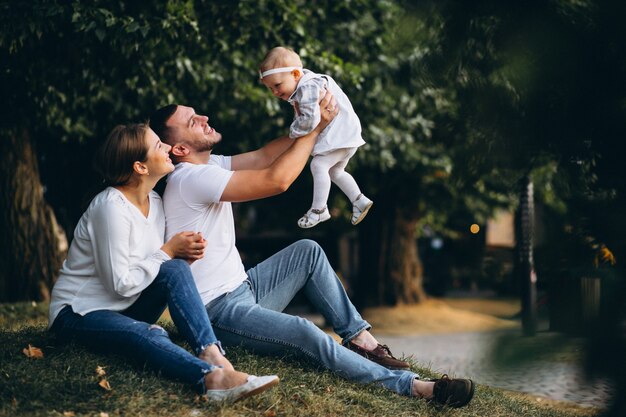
(473, 112)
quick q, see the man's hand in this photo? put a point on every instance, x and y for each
(328, 111)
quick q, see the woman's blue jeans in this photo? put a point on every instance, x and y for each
(132, 333)
(252, 316)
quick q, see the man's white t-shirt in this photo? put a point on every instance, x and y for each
(192, 203)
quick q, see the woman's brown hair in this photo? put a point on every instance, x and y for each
(125, 145)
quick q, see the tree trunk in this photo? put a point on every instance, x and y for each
(391, 270)
(32, 244)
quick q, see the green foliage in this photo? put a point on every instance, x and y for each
(458, 100)
(122, 57)
(73, 70)
(82, 67)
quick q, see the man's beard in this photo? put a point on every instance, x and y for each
(204, 147)
(207, 145)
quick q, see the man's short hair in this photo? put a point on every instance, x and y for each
(158, 121)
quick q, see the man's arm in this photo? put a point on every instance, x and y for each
(253, 184)
(262, 157)
(245, 185)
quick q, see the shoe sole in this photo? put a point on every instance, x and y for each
(313, 225)
(363, 214)
(258, 390)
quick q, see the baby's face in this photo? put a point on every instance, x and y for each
(282, 84)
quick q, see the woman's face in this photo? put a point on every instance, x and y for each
(158, 160)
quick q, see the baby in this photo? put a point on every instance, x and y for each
(281, 71)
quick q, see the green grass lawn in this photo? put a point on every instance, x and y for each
(65, 383)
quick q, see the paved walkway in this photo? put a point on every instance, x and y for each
(468, 355)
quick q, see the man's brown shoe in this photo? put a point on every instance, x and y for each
(452, 392)
(381, 355)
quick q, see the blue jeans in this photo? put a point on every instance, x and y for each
(251, 316)
(132, 333)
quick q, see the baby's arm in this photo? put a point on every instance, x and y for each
(307, 109)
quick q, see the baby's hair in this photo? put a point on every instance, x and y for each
(280, 57)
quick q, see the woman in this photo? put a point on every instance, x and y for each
(119, 275)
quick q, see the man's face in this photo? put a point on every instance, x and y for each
(193, 129)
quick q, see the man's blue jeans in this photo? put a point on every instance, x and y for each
(251, 316)
(132, 333)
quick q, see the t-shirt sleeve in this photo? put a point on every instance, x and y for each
(307, 96)
(204, 184)
(110, 229)
(221, 161)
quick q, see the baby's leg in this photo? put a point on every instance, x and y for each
(347, 184)
(339, 176)
(321, 188)
(320, 166)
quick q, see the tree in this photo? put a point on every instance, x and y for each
(430, 162)
(71, 71)
(441, 88)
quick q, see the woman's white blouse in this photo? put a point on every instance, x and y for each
(115, 254)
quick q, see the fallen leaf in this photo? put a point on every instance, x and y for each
(100, 371)
(69, 413)
(173, 397)
(33, 352)
(105, 384)
(270, 413)
(103, 414)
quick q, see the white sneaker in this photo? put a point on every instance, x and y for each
(313, 217)
(360, 207)
(254, 385)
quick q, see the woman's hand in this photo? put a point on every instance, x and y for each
(328, 110)
(185, 245)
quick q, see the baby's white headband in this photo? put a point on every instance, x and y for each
(277, 70)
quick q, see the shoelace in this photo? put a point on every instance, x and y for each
(387, 350)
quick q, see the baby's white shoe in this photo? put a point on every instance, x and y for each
(360, 207)
(313, 217)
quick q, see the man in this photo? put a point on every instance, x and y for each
(246, 306)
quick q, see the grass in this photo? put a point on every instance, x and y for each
(65, 383)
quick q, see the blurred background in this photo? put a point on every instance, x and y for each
(494, 135)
